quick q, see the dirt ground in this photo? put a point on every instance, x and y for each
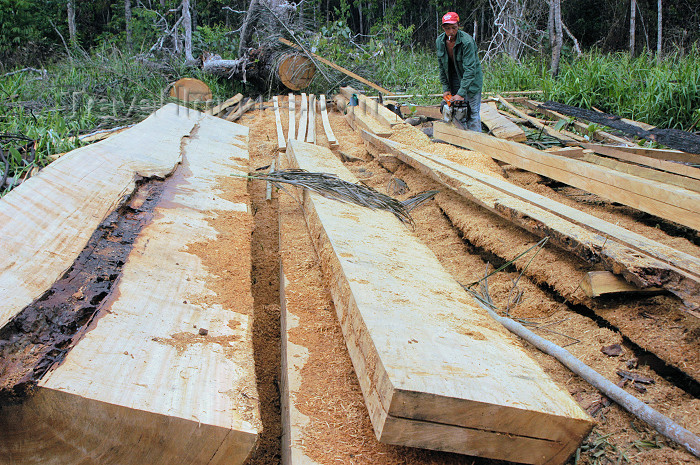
(466, 238)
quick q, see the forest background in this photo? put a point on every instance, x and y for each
(68, 67)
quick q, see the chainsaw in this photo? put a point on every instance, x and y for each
(454, 112)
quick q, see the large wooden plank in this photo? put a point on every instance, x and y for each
(47, 221)
(425, 356)
(380, 112)
(566, 137)
(669, 202)
(223, 106)
(311, 128)
(303, 118)
(500, 126)
(664, 154)
(330, 136)
(281, 140)
(621, 154)
(292, 131)
(642, 261)
(144, 385)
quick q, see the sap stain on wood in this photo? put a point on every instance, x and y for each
(43, 333)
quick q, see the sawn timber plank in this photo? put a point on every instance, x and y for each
(669, 202)
(435, 370)
(144, 386)
(330, 136)
(500, 126)
(640, 260)
(281, 141)
(47, 220)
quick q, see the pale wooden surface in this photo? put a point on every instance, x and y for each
(564, 136)
(621, 154)
(501, 126)
(598, 283)
(303, 117)
(357, 118)
(380, 112)
(281, 140)
(311, 128)
(619, 249)
(672, 203)
(46, 221)
(431, 111)
(292, 131)
(142, 386)
(332, 141)
(223, 106)
(421, 350)
(663, 154)
(240, 111)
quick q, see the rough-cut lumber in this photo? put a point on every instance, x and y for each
(357, 118)
(380, 112)
(620, 154)
(61, 206)
(311, 128)
(640, 260)
(500, 126)
(644, 172)
(241, 110)
(339, 68)
(281, 141)
(674, 138)
(303, 118)
(436, 372)
(565, 137)
(143, 385)
(431, 111)
(599, 283)
(291, 133)
(669, 202)
(583, 127)
(663, 154)
(332, 141)
(223, 106)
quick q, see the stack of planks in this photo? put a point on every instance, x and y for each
(436, 371)
(165, 373)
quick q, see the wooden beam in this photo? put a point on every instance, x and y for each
(281, 141)
(60, 209)
(566, 137)
(640, 260)
(431, 111)
(311, 129)
(500, 126)
(621, 154)
(644, 172)
(339, 68)
(583, 127)
(291, 132)
(144, 385)
(359, 119)
(600, 283)
(663, 154)
(431, 378)
(303, 118)
(671, 203)
(223, 106)
(242, 109)
(380, 112)
(332, 141)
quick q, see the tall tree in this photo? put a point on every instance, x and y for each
(127, 18)
(187, 23)
(72, 33)
(633, 24)
(558, 37)
(659, 31)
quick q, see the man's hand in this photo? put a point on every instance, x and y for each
(446, 96)
(457, 98)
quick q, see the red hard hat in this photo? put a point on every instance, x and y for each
(450, 18)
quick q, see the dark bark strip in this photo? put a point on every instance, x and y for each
(43, 333)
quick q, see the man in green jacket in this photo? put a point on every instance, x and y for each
(460, 69)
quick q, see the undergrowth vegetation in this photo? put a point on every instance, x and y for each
(108, 88)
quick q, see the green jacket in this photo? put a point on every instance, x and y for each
(466, 61)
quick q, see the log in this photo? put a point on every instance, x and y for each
(281, 142)
(640, 260)
(144, 385)
(671, 203)
(500, 126)
(190, 90)
(442, 375)
(330, 136)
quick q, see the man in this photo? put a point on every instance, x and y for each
(460, 69)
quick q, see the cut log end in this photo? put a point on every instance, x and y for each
(295, 71)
